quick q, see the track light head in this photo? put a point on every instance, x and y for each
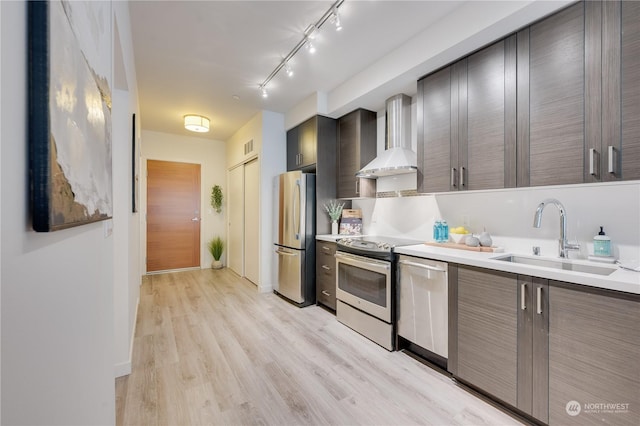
(288, 69)
(264, 91)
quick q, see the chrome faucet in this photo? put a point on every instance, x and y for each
(563, 245)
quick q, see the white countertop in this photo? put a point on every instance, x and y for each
(620, 280)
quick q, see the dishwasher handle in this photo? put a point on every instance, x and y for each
(421, 265)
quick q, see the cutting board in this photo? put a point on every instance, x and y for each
(466, 247)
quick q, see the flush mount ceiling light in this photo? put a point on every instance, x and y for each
(309, 34)
(196, 123)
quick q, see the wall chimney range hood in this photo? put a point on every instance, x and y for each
(398, 158)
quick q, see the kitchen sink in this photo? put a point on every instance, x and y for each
(558, 264)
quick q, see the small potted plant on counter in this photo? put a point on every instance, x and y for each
(216, 247)
(335, 210)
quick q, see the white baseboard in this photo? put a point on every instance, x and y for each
(124, 368)
(265, 289)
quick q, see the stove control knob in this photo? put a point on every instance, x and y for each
(384, 246)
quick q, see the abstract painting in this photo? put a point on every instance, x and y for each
(70, 113)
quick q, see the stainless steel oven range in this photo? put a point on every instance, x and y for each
(365, 286)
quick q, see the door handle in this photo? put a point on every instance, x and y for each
(285, 253)
(539, 301)
(461, 177)
(422, 266)
(611, 151)
(523, 290)
(593, 165)
(453, 177)
(195, 219)
(297, 227)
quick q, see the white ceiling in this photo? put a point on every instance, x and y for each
(209, 57)
(194, 56)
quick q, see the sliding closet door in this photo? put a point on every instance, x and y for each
(252, 221)
(236, 219)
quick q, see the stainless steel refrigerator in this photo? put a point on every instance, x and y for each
(295, 246)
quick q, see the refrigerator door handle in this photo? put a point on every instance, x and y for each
(297, 215)
(285, 253)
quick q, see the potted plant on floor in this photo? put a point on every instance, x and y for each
(216, 247)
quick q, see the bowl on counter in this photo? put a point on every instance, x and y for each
(458, 238)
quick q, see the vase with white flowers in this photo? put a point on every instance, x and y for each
(334, 209)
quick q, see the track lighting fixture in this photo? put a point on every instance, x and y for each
(310, 47)
(309, 34)
(335, 19)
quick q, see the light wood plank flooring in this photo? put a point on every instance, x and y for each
(209, 349)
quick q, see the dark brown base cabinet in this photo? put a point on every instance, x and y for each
(561, 353)
(594, 356)
(326, 274)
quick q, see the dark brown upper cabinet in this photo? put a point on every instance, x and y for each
(629, 159)
(467, 122)
(552, 123)
(357, 139)
(556, 103)
(302, 145)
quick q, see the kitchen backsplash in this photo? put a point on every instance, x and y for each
(508, 215)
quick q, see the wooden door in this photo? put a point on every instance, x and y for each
(251, 221)
(293, 149)
(435, 132)
(487, 331)
(236, 219)
(556, 98)
(173, 215)
(594, 356)
(629, 154)
(356, 148)
(490, 117)
(308, 142)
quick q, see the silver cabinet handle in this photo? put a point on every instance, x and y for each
(611, 151)
(326, 293)
(523, 290)
(326, 249)
(539, 301)
(357, 186)
(461, 177)
(592, 162)
(453, 177)
(421, 265)
(327, 268)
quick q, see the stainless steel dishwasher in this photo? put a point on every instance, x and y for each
(423, 307)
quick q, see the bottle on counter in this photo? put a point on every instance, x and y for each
(445, 231)
(437, 226)
(601, 244)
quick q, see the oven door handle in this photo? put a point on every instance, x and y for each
(360, 261)
(420, 265)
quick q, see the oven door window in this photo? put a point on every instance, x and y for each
(363, 283)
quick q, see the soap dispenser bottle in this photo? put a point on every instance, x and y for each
(601, 244)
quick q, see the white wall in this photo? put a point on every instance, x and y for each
(211, 155)
(508, 215)
(57, 310)
(267, 131)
